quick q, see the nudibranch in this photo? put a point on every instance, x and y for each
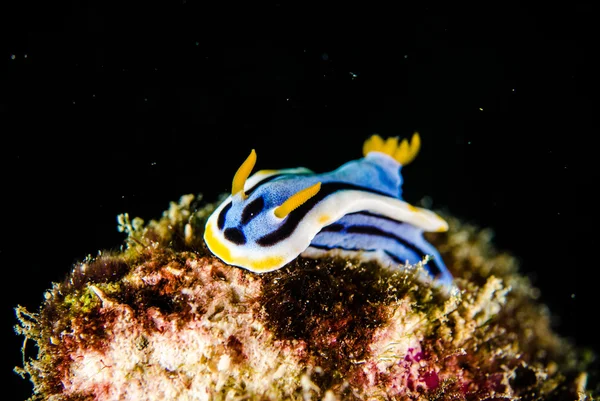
(356, 210)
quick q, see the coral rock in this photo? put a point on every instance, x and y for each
(165, 320)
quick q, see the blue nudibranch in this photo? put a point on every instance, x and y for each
(357, 210)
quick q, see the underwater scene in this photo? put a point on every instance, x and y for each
(386, 211)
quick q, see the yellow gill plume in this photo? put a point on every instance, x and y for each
(404, 153)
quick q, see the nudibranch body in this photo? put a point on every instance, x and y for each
(356, 210)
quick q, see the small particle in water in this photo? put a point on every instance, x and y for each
(573, 296)
(12, 57)
(468, 143)
(406, 56)
(513, 89)
(481, 109)
(353, 75)
(153, 164)
(93, 95)
(25, 56)
(197, 43)
(145, 99)
(427, 202)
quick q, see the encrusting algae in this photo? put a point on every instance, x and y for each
(163, 319)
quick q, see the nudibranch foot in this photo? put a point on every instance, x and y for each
(386, 260)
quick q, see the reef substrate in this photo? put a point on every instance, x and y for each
(162, 319)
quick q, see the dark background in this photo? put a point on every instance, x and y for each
(110, 109)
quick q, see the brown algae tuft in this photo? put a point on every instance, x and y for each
(163, 319)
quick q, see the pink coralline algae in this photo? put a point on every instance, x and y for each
(165, 320)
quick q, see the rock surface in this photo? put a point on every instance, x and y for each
(165, 320)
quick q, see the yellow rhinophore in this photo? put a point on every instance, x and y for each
(297, 200)
(240, 177)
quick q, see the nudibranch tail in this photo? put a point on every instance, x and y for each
(296, 200)
(403, 153)
(242, 174)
